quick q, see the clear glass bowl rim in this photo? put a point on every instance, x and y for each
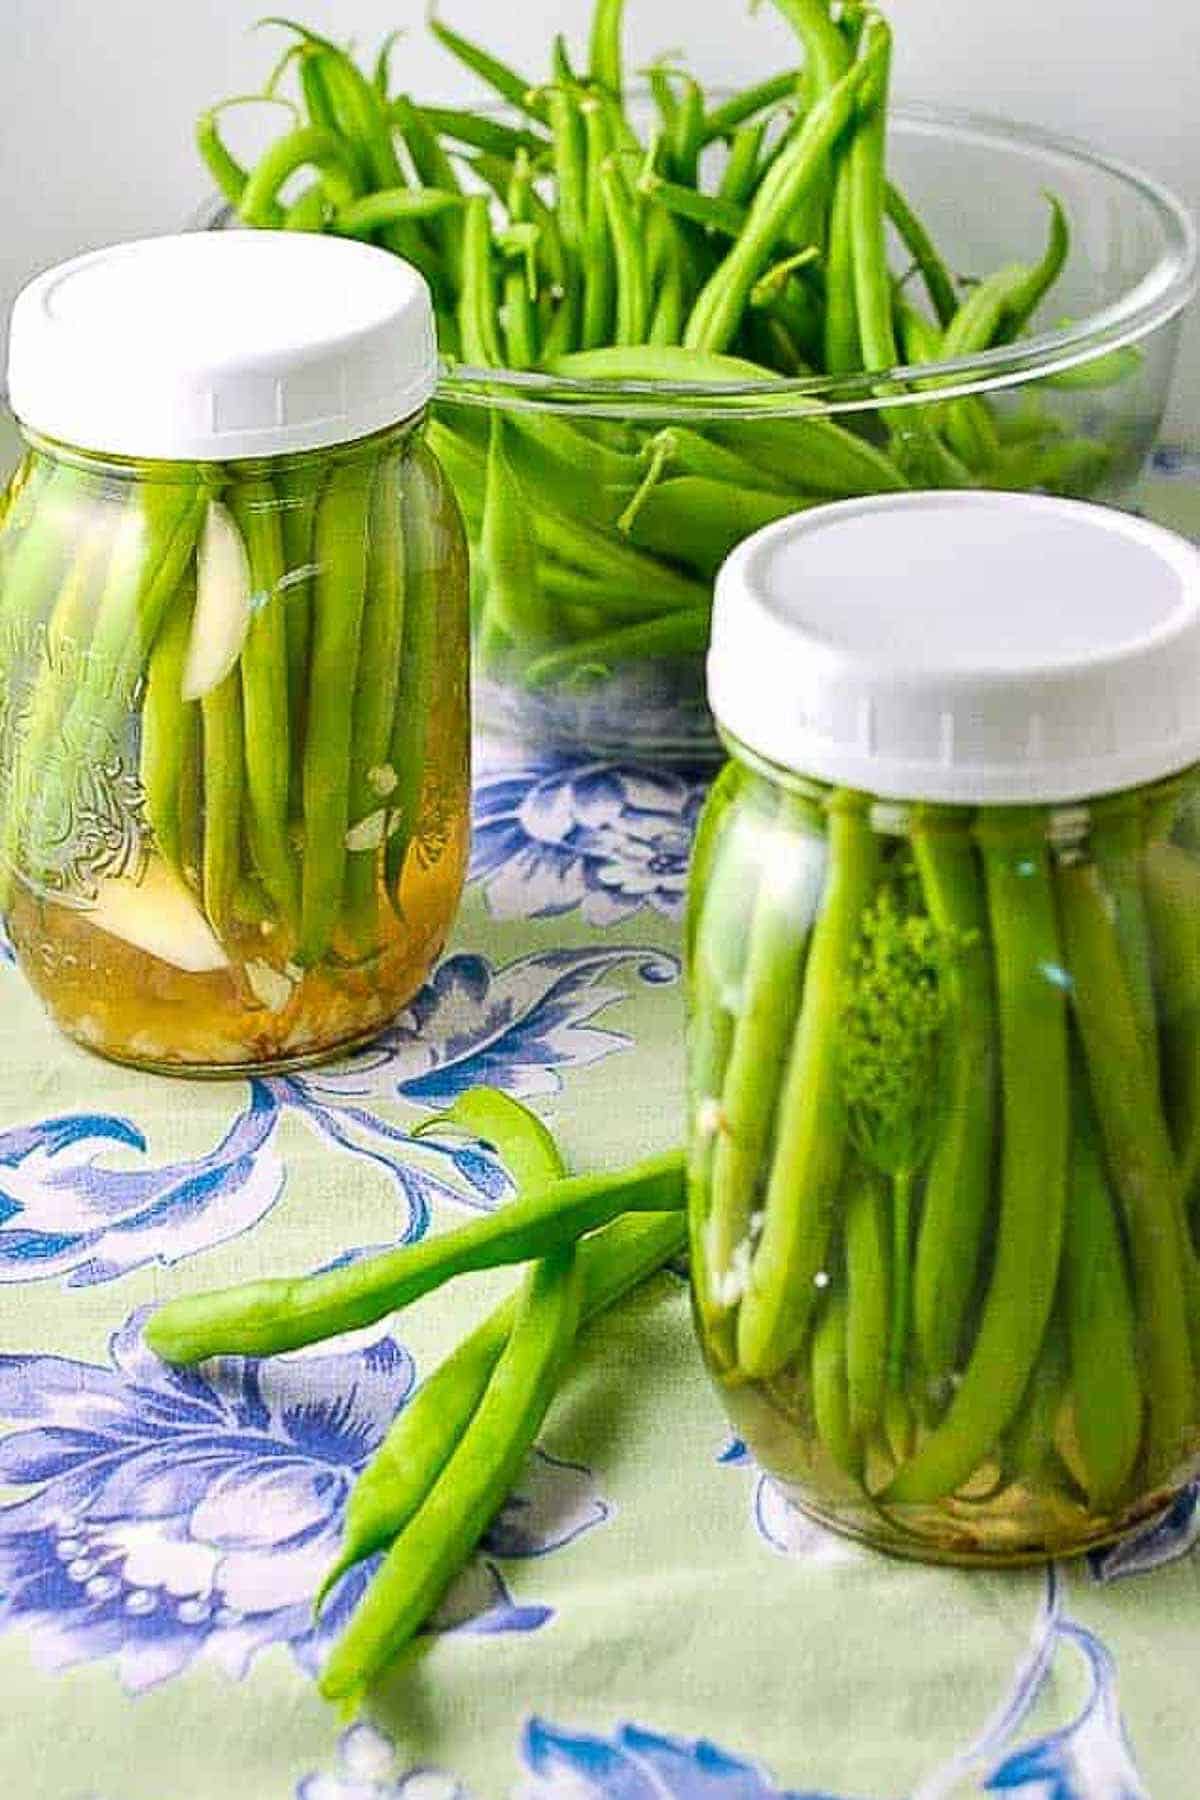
(1152, 302)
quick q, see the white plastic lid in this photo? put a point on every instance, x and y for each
(972, 647)
(215, 345)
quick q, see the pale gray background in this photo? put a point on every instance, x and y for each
(97, 97)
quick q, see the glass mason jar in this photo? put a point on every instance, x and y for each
(944, 1021)
(234, 736)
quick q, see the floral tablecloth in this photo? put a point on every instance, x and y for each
(647, 1619)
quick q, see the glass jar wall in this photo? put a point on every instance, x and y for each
(233, 745)
(944, 1074)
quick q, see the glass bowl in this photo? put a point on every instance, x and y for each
(607, 652)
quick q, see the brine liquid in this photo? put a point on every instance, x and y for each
(260, 1010)
(990, 1520)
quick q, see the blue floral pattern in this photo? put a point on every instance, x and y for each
(185, 1515)
(560, 831)
(69, 1210)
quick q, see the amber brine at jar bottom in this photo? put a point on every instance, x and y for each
(141, 979)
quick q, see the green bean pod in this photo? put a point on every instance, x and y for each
(373, 779)
(767, 1005)
(481, 1470)
(831, 1390)
(264, 1318)
(1105, 1386)
(167, 722)
(1032, 1023)
(958, 1187)
(339, 595)
(718, 310)
(224, 784)
(1172, 898)
(700, 521)
(254, 505)
(810, 1129)
(1139, 1159)
(868, 1261)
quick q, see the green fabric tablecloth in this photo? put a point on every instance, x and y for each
(647, 1618)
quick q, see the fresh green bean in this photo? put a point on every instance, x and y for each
(265, 1318)
(809, 1132)
(723, 120)
(741, 172)
(569, 152)
(519, 310)
(310, 212)
(864, 171)
(524, 1141)
(813, 454)
(307, 147)
(841, 335)
(713, 211)
(598, 262)
(1032, 1026)
(604, 51)
(625, 231)
(700, 521)
(228, 173)
(416, 1449)
(667, 635)
(362, 218)
(939, 283)
(478, 324)
(481, 1470)
(339, 594)
(254, 505)
(717, 313)
(479, 132)
(513, 595)
(498, 76)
